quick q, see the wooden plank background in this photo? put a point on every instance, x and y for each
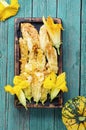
(73, 15)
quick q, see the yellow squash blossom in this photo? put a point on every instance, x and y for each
(28, 93)
(60, 85)
(55, 84)
(18, 90)
(49, 81)
(18, 79)
(61, 82)
(44, 93)
(54, 31)
(8, 10)
(54, 92)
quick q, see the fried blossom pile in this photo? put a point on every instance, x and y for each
(39, 63)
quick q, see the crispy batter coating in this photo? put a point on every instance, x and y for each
(28, 30)
(38, 59)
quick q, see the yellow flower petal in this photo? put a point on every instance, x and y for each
(61, 82)
(60, 79)
(48, 85)
(49, 81)
(17, 88)
(54, 92)
(28, 93)
(63, 87)
(22, 85)
(17, 80)
(9, 89)
(54, 31)
(22, 99)
(7, 10)
(44, 93)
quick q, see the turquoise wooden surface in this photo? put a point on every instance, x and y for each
(83, 49)
(73, 15)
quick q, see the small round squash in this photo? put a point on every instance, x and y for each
(74, 113)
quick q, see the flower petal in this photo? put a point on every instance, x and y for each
(17, 80)
(54, 31)
(7, 10)
(49, 81)
(22, 98)
(61, 82)
(9, 89)
(54, 92)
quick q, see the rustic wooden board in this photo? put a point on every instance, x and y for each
(37, 22)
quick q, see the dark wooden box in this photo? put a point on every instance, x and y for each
(37, 22)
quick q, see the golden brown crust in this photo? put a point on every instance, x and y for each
(28, 29)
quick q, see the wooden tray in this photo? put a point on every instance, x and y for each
(37, 22)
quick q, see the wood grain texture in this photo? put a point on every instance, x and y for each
(83, 49)
(47, 119)
(13, 114)
(35, 119)
(39, 8)
(51, 8)
(17, 119)
(28, 8)
(3, 78)
(69, 12)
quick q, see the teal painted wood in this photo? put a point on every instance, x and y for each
(13, 113)
(39, 8)
(3, 70)
(44, 8)
(15, 116)
(58, 124)
(83, 50)
(35, 119)
(51, 8)
(28, 8)
(69, 12)
(47, 119)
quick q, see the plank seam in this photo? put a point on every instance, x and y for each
(80, 47)
(56, 7)
(6, 94)
(32, 9)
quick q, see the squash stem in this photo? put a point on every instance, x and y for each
(81, 118)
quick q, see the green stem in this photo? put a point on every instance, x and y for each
(81, 118)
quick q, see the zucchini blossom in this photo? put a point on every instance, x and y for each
(54, 31)
(8, 10)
